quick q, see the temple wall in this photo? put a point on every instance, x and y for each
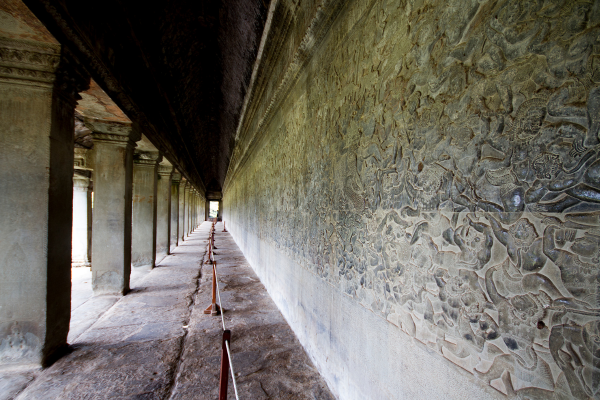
(420, 194)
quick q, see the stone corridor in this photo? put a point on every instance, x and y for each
(414, 183)
(156, 343)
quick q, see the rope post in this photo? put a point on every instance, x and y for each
(214, 308)
(224, 230)
(209, 260)
(224, 366)
(210, 245)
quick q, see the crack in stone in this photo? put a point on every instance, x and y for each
(177, 372)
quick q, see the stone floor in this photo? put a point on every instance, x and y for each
(86, 308)
(156, 343)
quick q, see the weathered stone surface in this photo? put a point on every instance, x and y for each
(163, 211)
(133, 349)
(268, 360)
(187, 207)
(417, 187)
(111, 226)
(86, 308)
(182, 212)
(145, 177)
(174, 227)
(156, 342)
(95, 103)
(18, 22)
(82, 218)
(13, 381)
(38, 92)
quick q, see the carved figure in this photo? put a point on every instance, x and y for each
(524, 246)
(580, 278)
(463, 303)
(475, 241)
(576, 350)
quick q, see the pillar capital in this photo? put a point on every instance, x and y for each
(175, 178)
(165, 170)
(28, 63)
(146, 158)
(81, 180)
(42, 65)
(80, 159)
(113, 132)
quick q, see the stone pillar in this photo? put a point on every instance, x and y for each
(145, 176)
(200, 210)
(82, 218)
(199, 215)
(39, 85)
(193, 211)
(190, 210)
(174, 227)
(192, 201)
(113, 174)
(186, 222)
(83, 166)
(182, 186)
(193, 222)
(163, 212)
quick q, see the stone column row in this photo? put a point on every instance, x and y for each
(187, 216)
(41, 192)
(163, 212)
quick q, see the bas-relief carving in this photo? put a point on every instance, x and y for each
(440, 165)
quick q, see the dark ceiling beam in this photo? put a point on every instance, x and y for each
(179, 68)
(98, 55)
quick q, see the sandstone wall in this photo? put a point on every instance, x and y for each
(418, 187)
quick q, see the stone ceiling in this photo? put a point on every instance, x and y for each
(180, 68)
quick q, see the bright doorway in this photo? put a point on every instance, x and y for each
(213, 210)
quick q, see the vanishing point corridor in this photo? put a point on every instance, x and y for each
(156, 343)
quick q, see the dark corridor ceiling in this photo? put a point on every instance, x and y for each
(180, 68)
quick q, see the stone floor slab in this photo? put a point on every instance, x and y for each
(268, 359)
(156, 342)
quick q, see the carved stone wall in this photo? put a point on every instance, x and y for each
(438, 164)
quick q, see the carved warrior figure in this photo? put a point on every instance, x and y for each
(518, 318)
(582, 183)
(463, 303)
(580, 278)
(475, 241)
(576, 350)
(523, 245)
